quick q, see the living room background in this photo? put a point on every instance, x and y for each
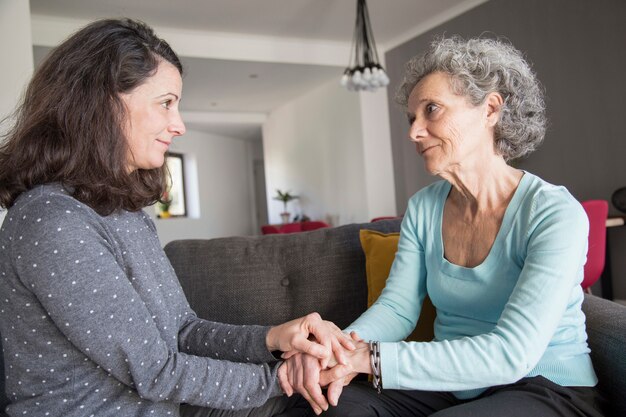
(577, 49)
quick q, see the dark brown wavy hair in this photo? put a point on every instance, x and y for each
(69, 127)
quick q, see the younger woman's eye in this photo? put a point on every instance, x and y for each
(166, 104)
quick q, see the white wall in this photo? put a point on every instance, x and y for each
(313, 147)
(223, 173)
(379, 180)
(16, 48)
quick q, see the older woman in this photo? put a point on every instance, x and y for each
(93, 319)
(499, 251)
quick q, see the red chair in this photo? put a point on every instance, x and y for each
(377, 219)
(291, 228)
(598, 212)
(313, 225)
(295, 227)
(268, 229)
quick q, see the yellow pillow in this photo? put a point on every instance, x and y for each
(380, 250)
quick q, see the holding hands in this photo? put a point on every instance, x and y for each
(310, 335)
(306, 374)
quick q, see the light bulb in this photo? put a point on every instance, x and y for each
(385, 79)
(367, 74)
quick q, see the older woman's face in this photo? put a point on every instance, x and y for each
(153, 117)
(448, 131)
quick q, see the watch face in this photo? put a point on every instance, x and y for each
(619, 199)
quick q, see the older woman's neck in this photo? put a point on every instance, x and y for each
(486, 186)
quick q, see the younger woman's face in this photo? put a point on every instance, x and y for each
(153, 117)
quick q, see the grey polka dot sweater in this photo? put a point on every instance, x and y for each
(94, 322)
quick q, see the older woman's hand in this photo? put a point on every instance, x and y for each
(305, 374)
(312, 335)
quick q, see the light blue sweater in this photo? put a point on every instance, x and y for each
(517, 314)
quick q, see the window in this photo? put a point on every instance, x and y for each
(174, 202)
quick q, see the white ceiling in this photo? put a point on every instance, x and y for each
(309, 19)
(250, 86)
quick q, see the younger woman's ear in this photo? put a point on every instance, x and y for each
(494, 102)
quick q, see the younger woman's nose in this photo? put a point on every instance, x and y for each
(177, 127)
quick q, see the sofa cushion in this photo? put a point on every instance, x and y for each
(606, 328)
(380, 251)
(276, 277)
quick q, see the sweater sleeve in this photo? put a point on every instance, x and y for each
(395, 313)
(196, 336)
(556, 248)
(224, 341)
(68, 260)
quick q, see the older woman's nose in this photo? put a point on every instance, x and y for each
(417, 130)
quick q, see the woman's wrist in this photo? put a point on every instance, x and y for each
(374, 348)
(270, 339)
(361, 359)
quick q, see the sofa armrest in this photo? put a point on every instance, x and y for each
(606, 328)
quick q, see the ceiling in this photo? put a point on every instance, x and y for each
(221, 85)
(309, 19)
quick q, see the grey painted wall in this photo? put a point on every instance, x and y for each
(578, 49)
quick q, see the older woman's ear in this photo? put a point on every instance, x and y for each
(493, 103)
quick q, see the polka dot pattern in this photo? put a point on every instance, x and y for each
(93, 320)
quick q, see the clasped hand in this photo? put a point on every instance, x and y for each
(306, 374)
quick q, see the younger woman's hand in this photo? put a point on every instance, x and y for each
(304, 374)
(311, 335)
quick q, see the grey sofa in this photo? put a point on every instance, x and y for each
(270, 279)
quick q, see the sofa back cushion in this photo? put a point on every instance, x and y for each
(274, 278)
(606, 328)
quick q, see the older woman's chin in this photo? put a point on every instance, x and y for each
(431, 167)
(432, 170)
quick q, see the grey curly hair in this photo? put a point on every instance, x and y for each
(480, 66)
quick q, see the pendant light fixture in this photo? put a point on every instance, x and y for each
(364, 71)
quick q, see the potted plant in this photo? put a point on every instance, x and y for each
(285, 197)
(164, 205)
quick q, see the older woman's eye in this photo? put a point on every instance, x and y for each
(411, 119)
(430, 108)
